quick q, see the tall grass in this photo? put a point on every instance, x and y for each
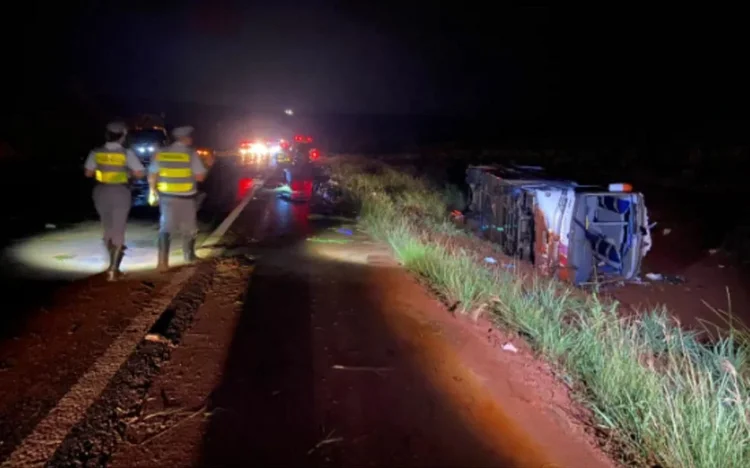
(666, 396)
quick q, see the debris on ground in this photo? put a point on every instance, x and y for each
(638, 280)
(654, 276)
(671, 279)
(157, 338)
(327, 440)
(328, 241)
(188, 415)
(320, 217)
(490, 260)
(675, 279)
(509, 347)
(376, 370)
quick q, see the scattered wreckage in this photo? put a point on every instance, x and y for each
(578, 233)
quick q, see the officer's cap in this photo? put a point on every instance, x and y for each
(117, 127)
(182, 132)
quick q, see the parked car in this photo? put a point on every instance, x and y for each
(146, 141)
(571, 231)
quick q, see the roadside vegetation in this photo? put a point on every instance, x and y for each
(662, 394)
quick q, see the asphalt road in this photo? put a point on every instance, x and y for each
(45, 251)
(59, 314)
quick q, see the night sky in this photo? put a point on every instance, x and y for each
(388, 58)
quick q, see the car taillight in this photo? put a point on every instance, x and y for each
(314, 154)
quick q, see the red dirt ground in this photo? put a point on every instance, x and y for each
(711, 277)
(56, 346)
(339, 358)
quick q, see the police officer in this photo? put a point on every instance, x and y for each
(109, 165)
(173, 176)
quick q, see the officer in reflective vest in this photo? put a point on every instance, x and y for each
(110, 165)
(173, 176)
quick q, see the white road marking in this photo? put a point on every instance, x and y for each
(39, 446)
(224, 226)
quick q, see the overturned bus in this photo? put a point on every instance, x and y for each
(575, 232)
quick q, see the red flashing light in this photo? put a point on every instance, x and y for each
(314, 154)
(243, 186)
(301, 187)
(621, 187)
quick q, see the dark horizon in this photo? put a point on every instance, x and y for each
(513, 63)
(536, 75)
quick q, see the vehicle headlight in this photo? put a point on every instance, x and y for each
(259, 148)
(141, 149)
(151, 149)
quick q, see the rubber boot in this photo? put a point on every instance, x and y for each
(115, 259)
(163, 264)
(110, 252)
(188, 249)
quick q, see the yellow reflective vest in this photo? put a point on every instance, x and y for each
(111, 167)
(175, 173)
